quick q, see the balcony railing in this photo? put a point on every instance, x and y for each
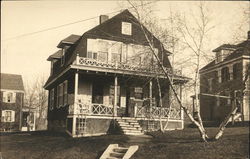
(91, 109)
(157, 112)
(121, 66)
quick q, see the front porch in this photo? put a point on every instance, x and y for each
(94, 112)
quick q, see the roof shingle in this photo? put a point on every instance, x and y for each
(11, 82)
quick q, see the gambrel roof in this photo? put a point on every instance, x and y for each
(11, 82)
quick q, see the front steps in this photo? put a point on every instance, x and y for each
(130, 126)
(114, 151)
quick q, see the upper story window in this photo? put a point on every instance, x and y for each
(236, 71)
(222, 54)
(64, 49)
(116, 52)
(219, 56)
(225, 76)
(9, 97)
(98, 50)
(126, 28)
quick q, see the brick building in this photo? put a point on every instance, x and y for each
(226, 76)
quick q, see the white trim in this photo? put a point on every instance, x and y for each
(110, 117)
(86, 135)
(12, 90)
(216, 66)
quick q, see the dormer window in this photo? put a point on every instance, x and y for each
(126, 28)
(64, 49)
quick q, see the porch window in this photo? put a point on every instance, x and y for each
(8, 116)
(52, 99)
(138, 93)
(97, 93)
(60, 95)
(65, 92)
(9, 97)
(112, 95)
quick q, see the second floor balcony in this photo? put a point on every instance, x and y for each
(123, 67)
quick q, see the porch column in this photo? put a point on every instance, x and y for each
(115, 96)
(150, 96)
(182, 112)
(75, 104)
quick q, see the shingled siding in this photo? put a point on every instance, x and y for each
(17, 107)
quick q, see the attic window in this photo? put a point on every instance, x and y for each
(126, 28)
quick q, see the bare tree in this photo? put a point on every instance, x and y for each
(36, 98)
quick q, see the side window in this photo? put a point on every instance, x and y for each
(225, 74)
(236, 71)
(52, 100)
(8, 116)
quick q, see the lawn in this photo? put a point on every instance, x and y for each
(170, 145)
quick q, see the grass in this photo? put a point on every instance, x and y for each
(171, 145)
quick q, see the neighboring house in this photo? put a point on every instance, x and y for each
(12, 94)
(107, 77)
(226, 76)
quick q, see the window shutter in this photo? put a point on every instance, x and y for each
(3, 116)
(12, 116)
(13, 97)
(5, 96)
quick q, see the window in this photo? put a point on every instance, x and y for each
(8, 116)
(116, 51)
(112, 95)
(138, 93)
(60, 95)
(9, 97)
(236, 71)
(64, 50)
(103, 47)
(126, 28)
(219, 56)
(210, 84)
(97, 93)
(65, 92)
(52, 95)
(225, 76)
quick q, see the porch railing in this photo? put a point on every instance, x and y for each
(142, 68)
(157, 112)
(91, 109)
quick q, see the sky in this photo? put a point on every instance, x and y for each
(26, 55)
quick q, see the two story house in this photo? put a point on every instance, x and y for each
(12, 95)
(224, 80)
(106, 79)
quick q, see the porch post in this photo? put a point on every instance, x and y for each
(182, 112)
(115, 96)
(75, 104)
(150, 96)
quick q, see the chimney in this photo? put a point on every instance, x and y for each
(103, 18)
(248, 35)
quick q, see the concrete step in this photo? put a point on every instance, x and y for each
(131, 128)
(120, 149)
(116, 154)
(133, 133)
